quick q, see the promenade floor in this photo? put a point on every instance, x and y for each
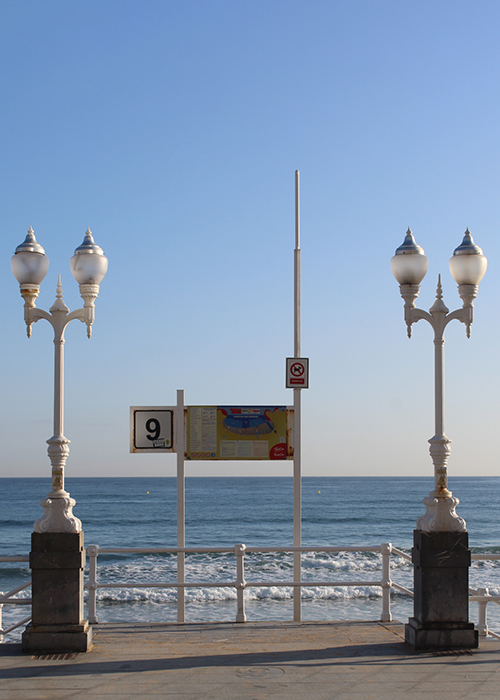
(252, 661)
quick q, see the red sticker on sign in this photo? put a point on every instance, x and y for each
(278, 452)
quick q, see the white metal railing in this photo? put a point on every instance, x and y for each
(407, 557)
(480, 595)
(239, 583)
(8, 598)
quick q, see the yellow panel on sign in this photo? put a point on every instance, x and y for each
(239, 432)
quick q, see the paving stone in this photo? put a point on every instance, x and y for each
(252, 661)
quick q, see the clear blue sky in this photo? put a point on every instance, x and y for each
(173, 129)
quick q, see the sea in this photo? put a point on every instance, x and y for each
(255, 511)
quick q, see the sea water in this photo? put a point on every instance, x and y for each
(255, 511)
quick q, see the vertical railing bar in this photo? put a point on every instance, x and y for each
(239, 551)
(181, 594)
(92, 552)
(386, 549)
(482, 625)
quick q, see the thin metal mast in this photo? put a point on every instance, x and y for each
(297, 478)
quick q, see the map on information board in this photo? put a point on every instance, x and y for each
(239, 432)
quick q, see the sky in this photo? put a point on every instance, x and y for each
(173, 130)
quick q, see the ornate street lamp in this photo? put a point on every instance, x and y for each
(29, 265)
(439, 614)
(57, 558)
(468, 266)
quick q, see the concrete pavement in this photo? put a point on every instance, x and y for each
(252, 661)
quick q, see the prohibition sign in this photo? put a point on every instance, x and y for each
(297, 369)
(297, 372)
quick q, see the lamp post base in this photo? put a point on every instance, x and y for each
(57, 639)
(441, 592)
(426, 636)
(57, 560)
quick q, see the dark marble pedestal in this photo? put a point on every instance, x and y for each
(441, 586)
(57, 561)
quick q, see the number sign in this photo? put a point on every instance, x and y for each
(151, 429)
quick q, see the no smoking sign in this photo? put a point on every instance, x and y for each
(297, 373)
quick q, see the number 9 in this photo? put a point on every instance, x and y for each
(153, 427)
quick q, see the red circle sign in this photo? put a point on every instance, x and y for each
(297, 369)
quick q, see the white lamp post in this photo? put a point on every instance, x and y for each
(440, 554)
(29, 265)
(468, 266)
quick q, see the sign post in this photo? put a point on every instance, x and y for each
(180, 438)
(297, 466)
(297, 378)
(232, 433)
(209, 433)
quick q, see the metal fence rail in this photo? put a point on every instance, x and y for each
(482, 597)
(240, 584)
(8, 598)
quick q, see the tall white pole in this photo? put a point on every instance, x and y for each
(58, 445)
(181, 520)
(297, 478)
(296, 315)
(58, 514)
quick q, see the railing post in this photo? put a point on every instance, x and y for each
(386, 549)
(1, 627)
(181, 595)
(240, 583)
(92, 552)
(482, 625)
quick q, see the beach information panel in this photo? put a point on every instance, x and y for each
(239, 432)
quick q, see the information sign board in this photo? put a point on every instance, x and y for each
(151, 429)
(239, 433)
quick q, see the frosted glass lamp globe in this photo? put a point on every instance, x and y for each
(29, 263)
(468, 264)
(89, 264)
(409, 264)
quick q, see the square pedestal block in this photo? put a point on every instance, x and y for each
(57, 561)
(441, 592)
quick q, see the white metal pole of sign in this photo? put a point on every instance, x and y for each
(181, 520)
(162, 429)
(297, 478)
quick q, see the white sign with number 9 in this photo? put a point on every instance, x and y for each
(151, 428)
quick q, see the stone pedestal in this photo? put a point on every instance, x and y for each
(441, 586)
(57, 561)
